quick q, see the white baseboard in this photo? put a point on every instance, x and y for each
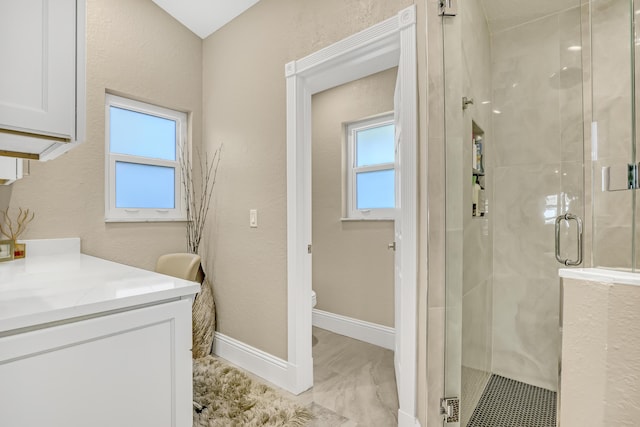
(372, 333)
(258, 362)
(406, 420)
(278, 371)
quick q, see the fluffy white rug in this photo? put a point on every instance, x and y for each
(229, 398)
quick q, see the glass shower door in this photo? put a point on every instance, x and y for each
(615, 113)
(514, 163)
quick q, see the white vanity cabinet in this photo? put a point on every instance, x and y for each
(42, 77)
(89, 342)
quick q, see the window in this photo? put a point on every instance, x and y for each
(143, 147)
(371, 168)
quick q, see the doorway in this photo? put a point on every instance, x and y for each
(353, 208)
(388, 44)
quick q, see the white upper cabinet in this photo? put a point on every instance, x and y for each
(42, 77)
(10, 170)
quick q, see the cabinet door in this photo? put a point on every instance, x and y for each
(10, 170)
(125, 369)
(38, 72)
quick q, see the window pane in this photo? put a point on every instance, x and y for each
(375, 190)
(375, 146)
(141, 134)
(144, 186)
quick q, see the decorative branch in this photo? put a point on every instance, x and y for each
(198, 201)
(13, 231)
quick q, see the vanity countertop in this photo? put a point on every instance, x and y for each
(56, 286)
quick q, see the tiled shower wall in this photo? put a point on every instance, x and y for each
(477, 235)
(468, 238)
(538, 175)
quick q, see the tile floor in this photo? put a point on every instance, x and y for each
(354, 383)
(353, 379)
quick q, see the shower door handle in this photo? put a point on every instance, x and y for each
(568, 217)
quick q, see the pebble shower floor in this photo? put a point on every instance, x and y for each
(510, 403)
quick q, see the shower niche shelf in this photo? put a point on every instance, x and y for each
(478, 187)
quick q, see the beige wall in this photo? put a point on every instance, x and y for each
(245, 106)
(352, 266)
(237, 77)
(135, 49)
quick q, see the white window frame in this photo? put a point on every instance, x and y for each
(114, 214)
(351, 170)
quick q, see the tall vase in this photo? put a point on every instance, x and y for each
(203, 319)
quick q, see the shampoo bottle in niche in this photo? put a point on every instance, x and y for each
(474, 154)
(480, 154)
(475, 194)
(483, 203)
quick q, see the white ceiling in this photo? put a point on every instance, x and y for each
(203, 17)
(503, 14)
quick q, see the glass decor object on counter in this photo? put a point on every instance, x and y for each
(6, 250)
(478, 199)
(12, 229)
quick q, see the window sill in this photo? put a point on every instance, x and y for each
(365, 219)
(107, 220)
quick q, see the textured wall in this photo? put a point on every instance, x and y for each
(352, 266)
(245, 106)
(237, 77)
(600, 354)
(133, 48)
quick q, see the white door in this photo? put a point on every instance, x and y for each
(38, 73)
(397, 244)
(397, 297)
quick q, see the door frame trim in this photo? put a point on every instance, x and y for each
(382, 46)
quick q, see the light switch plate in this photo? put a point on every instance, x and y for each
(253, 218)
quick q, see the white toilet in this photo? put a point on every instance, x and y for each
(313, 298)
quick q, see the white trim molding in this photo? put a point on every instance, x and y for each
(373, 333)
(385, 45)
(258, 362)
